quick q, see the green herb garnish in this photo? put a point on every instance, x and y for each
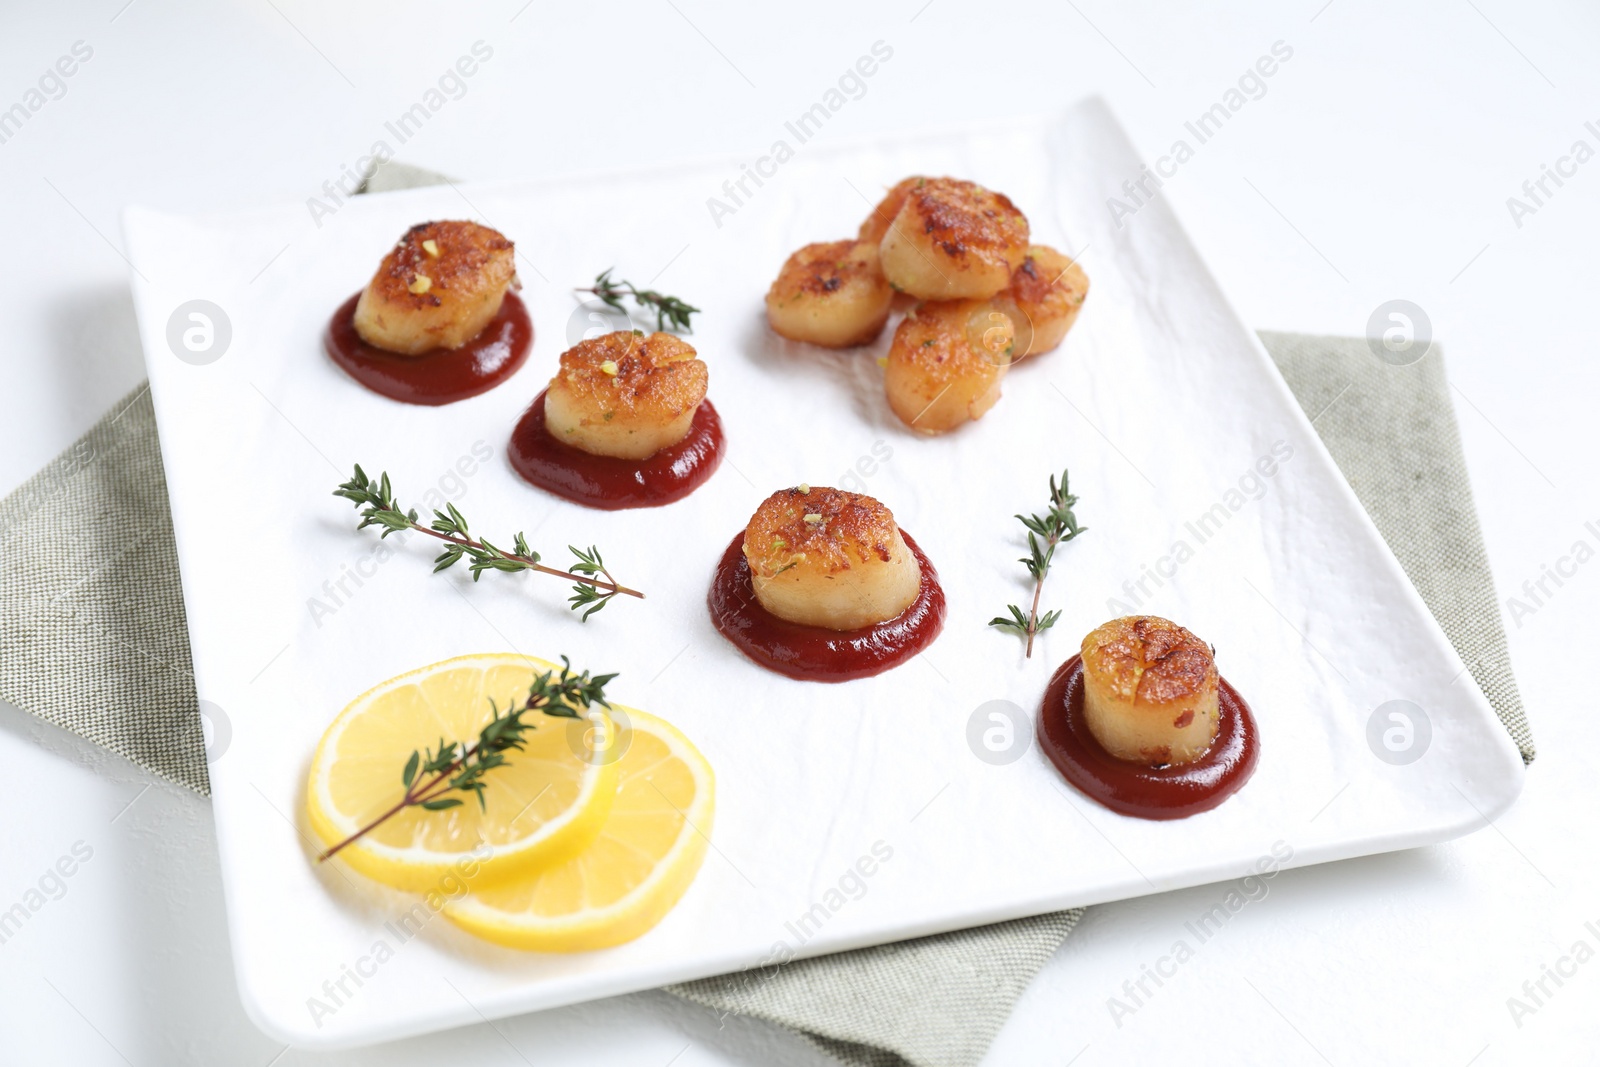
(1056, 526)
(594, 585)
(431, 774)
(671, 313)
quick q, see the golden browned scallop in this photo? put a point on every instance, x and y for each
(625, 394)
(1150, 691)
(877, 223)
(437, 288)
(830, 294)
(1049, 288)
(953, 239)
(825, 557)
(946, 361)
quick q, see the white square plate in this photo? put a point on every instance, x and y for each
(1161, 402)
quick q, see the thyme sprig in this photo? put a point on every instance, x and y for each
(1046, 532)
(430, 774)
(594, 586)
(671, 313)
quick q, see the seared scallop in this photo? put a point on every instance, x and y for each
(953, 239)
(1049, 288)
(877, 223)
(825, 557)
(437, 288)
(1150, 691)
(946, 361)
(830, 294)
(625, 394)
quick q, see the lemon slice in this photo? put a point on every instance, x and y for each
(628, 879)
(544, 805)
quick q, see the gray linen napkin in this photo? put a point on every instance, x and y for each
(938, 1001)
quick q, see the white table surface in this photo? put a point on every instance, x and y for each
(1376, 166)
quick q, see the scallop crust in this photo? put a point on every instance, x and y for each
(625, 394)
(953, 239)
(464, 285)
(831, 294)
(1049, 288)
(935, 378)
(1150, 690)
(830, 558)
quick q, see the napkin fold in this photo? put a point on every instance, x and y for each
(116, 628)
(1392, 431)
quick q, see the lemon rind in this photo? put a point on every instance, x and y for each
(420, 869)
(638, 912)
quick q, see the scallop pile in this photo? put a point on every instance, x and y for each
(980, 297)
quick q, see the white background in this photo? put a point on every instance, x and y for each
(1376, 166)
